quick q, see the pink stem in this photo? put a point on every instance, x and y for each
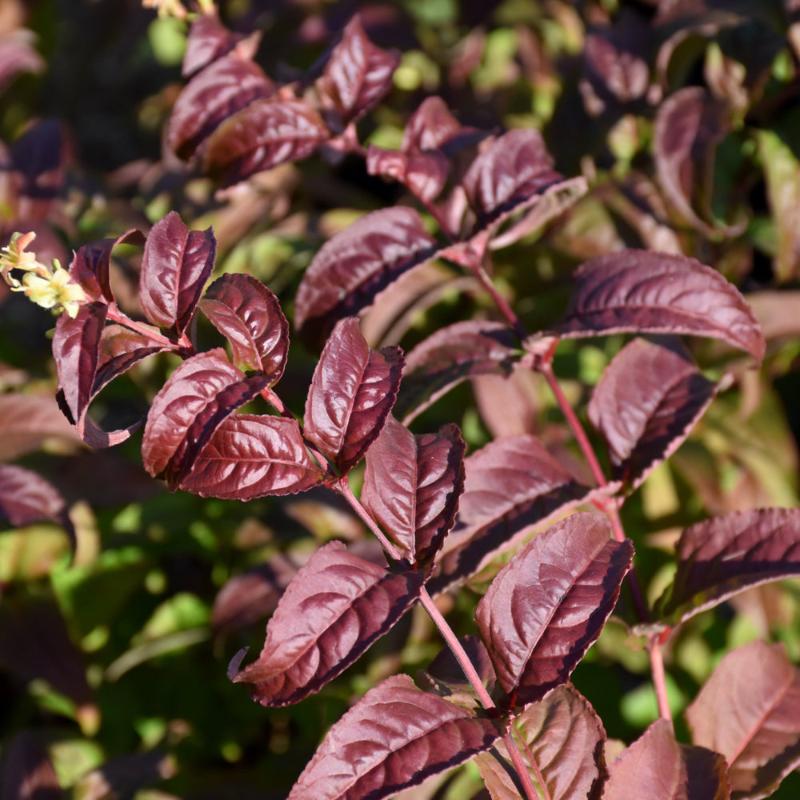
(502, 304)
(659, 678)
(115, 315)
(535, 765)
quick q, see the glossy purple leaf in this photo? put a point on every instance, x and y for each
(722, 556)
(393, 738)
(433, 127)
(191, 405)
(649, 398)
(25, 497)
(90, 265)
(656, 765)
(177, 263)
(565, 737)
(637, 291)
(515, 168)
(749, 711)
(547, 606)
(253, 456)
(356, 264)
(357, 75)
(511, 484)
(208, 40)
(266, 133)
(250, 317)
(451, 355)
(334, 609)
(17, 55)
(352, 392)
(120, 349)
(425, 174)
(210, 98)
(412, 485)
(27, 772)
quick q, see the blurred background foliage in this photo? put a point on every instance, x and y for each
(682, 114)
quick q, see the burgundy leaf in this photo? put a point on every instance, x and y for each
(119, 350)
(451, 355)
(514, 169)
(357, 75)
(425, 174)
(655, 765)
(90, 265)
(433, 127)
(210, 98)
(249, 316)
(76, 351)
(508, 405)
(25, 497)
(643, 292)
(176, 265)
(356, 264)
(547, 606)
(688, 127)
(615, 67)
(259, 137)
(191, 405)
(28, 773)
(352, 393)
(511, 484)
(565, 736)
(17, 55)
(749, 711)
(252, 456)
(27, 420)
(412, 485)
(208, 40)
(649, 398)
(393, 738)
(724, 555)
(336, 606)
(38, 159)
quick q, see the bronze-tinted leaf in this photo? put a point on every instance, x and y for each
(25, 497)
(451, 355)
(177, 263)
(412, 485)
(724, 555)
(210, 98)
(393, 738)
(566, 737)
(352, 392)
(357, 75)
(547, 606)
(336, 606)
(749, 710)
(89, 267)
(511, 484)
(266, 133)
(642, 292)
(249, 316)
(655, 765)
(252, 456)
(191, 405)
(28, 773)
(356, 264)
(648, 400)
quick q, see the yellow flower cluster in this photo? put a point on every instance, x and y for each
(176, 8)
(47, 287)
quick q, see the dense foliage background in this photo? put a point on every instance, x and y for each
(683, 115)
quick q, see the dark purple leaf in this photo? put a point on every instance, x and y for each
(749, 711)
(655, 765)
(642, 292)
(356, 264)
(252, 456)
(432, 127)
(357, 75)
(547, 606)
(425, 174)
(451, 355)
(614, 65)
(210, 98)
(28, 773)
(177, 263)
(566, 737)
(724, 555)
(25, 497)
(90, 265)
(393, 738)
(38, 161)
(334, 609)
(27, 420)
(511, 484)
(17, 55)
(351, 395)
(412, 485)
(266, 133)
(119, 350)
(649, 398)
(191, 405)
(208, 40)
(249, 316)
